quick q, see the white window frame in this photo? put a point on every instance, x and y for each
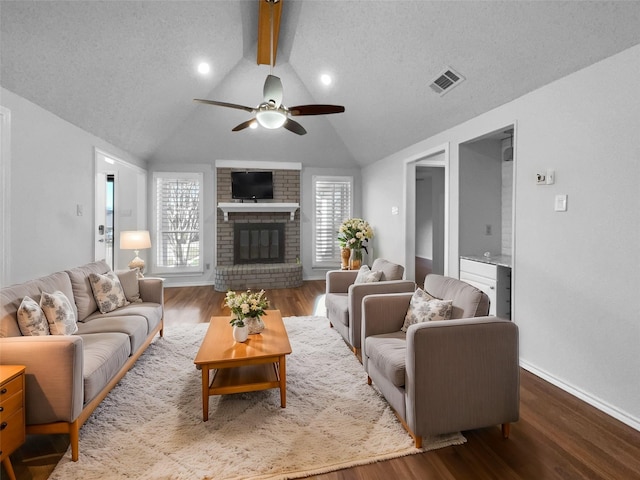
(335, 260)
(199, 177)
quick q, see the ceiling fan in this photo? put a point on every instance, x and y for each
(271, 113)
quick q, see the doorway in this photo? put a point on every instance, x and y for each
(430, 188)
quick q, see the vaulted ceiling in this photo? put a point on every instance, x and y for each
(126, 70)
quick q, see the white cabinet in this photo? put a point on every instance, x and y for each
(492, 279)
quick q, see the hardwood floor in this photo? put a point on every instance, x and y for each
(558, 436)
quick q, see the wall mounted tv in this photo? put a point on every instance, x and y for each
(252, 185)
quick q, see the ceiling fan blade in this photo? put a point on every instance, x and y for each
(315, 109)
(273, 90)
(243, 125)
(225, 104)
(294, 127)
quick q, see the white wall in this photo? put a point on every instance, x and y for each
(51, 172)
(577, 273)
(480, 197)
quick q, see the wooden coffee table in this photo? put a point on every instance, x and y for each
(257, 364)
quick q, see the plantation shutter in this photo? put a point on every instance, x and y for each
(332, 205)
(178, 222)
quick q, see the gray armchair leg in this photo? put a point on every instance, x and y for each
(506, 428)
(369, 382)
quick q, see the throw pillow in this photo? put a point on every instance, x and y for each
(365, 275)
(425, 308)
(129, 281)
(59, 312)
(31, 319)
(107, 291)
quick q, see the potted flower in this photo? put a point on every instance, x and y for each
(354, 234)
(246, 309)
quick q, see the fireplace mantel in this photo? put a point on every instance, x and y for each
(258, 207)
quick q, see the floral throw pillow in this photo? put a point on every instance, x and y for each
(365, 275)
(425, 308)
(59, 312)
(31, 319)
(107, 291)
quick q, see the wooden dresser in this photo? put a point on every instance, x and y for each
(12, 426)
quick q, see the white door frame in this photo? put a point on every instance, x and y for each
(433, 158)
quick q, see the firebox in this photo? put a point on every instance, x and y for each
(258, 243)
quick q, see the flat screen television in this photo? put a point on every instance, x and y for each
(252, 185)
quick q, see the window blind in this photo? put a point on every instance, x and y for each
(332, 205)
(178, 221)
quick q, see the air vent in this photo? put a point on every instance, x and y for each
(446, 80)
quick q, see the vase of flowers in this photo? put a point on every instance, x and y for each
(354, 233)
(247, 308)
(240, 333)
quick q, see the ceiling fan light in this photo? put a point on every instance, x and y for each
(271, 119)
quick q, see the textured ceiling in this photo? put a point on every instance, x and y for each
(125, 70)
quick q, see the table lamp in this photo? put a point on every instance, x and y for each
(135, 240)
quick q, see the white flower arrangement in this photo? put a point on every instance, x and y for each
(354, 233)
(246, 304)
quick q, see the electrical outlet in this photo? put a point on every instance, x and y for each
(541, 179)
(551, 177)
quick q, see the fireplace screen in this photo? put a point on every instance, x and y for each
(258, 243)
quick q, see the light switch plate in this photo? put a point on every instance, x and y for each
(561, 203)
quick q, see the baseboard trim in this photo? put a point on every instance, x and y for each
(584, 396)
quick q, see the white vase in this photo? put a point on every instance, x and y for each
(240, 334)
(255, 325)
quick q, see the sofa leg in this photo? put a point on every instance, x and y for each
(330, 325)
(369, 382)
(418, 440)
(506, 428)
(74, 439)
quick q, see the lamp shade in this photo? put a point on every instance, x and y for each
(135, 240)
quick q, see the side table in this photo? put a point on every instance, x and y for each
(12, 416)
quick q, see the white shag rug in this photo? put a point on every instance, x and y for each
(150, 426)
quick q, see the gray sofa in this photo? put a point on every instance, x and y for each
(343, 298)
(448, 375)
(67, 376)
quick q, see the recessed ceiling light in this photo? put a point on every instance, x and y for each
(325, 79)
(204, 68)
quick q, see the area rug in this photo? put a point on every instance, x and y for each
(150, 425)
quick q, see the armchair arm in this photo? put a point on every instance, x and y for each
(462, 374)
(338, 281)
(152, 290)
(360, 291)
(382, 314)
(54, 380)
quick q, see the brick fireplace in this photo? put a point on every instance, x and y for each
(258, 246)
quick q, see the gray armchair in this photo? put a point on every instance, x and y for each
(343, 299)
(443, 376)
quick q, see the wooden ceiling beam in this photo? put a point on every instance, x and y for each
(264, 30)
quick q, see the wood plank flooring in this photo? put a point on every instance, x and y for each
(558, 436)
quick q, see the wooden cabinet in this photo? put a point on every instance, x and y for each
(12, 422)
(492, 279)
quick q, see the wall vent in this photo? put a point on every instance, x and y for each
(446, 81)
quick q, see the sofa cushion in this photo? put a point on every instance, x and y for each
(59, 312)
(337, 305)
(107, 291)
(135, 326)
(388, 353)
(365, 275)
(129, 281)
(424, 308)
(467, 300)
(104, 355)
(151, 311)
(390, 271)
(82, 292)
(31, 319)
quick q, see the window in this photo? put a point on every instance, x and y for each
(333, 203)
(178, 222)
